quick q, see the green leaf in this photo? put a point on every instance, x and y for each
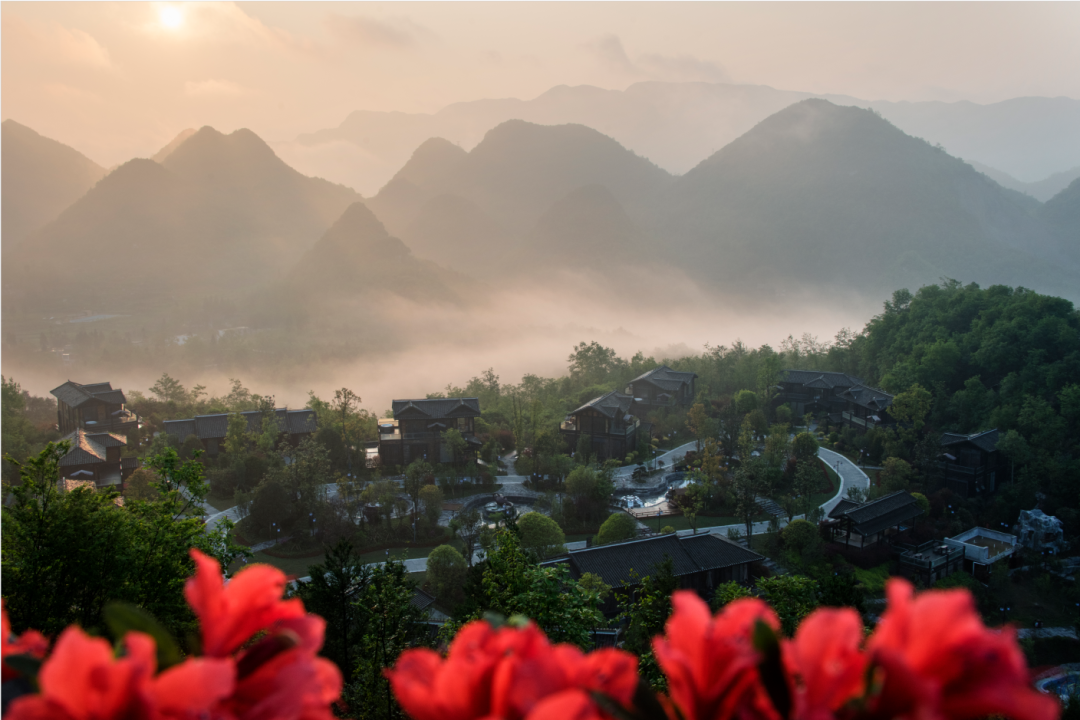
(26, 665)
(123, 618)
(771, 668)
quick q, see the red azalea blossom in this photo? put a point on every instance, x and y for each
(83, 681)
(939, 662)
(710, 662)
(825, 655)
(30, 643)
(510, 674)
(231, 615)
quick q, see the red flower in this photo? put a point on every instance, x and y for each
(30, 642)
(710, 662)
(458, 688)
(82, 681)
(825, 655)
(939, 661)
(281, 677)
(231, 614)
(510, 674)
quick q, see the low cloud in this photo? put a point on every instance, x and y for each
(609, 51)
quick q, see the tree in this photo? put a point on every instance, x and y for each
(168, 390)
(417, 472)
(513, 585)
(804, 447)
(693, 502)
(592, 363)
(1013, 446)
(802, 542)
(618, 526)
(645, 609)
(924, 504)
(589, 491)
(792, 597)
(236, 437)
(332, 592)
(65, 554)
(456, 444)
(807, 479)
(466, 528)
(746, 401)
(345, 400)
(698, 423)
(895, 475)
(594, 583)
(431, 498)
(541, 535)
(141, 486)
(727, 593)
(446, 570)
(392, 624)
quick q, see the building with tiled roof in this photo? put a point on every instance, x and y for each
(872, 521)
(211, 429)
(970, 465)
(699, 562)
(866, 407)
(95, 458)
(661, 387)
(416, 430)
(609, 423)
(96, 407)
(814, 391)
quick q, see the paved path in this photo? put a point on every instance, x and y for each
(849, 472)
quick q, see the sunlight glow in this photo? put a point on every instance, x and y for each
(171, 17)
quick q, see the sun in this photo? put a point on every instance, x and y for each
(171, 17)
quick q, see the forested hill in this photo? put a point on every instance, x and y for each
(219, 212)
(41, 177)
(819, 194)
(991, 358)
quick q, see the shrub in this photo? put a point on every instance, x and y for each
(540, 534)
(446, 569)
(619, 526)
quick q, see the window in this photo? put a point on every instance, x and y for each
(463, 425)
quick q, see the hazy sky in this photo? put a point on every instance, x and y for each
(117, 80)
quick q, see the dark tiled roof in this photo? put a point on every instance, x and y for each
(985, 440)
(843, 506)
(421, 600)
(615, 563)
(614, 405)
(437, 408)
(95, 388)
(74, 395)
(868, 397)
(820, 379)
(130, 463)
(71, 394)
(665, 378)
(876, 515)
(713, 551)
(113, 397)
(107, 439)
(180, 429)
(208, 427)
(84, 451)
(302, 421)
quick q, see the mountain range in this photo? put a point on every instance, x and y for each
(821, 199)
(40, 178)
(218, 213)
(676, 125)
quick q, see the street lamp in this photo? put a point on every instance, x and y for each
(657, 521)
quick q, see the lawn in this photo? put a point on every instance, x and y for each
(221, 504)
(290, 566)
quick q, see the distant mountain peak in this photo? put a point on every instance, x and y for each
(176, 142)
(208, 149)
(359, 232)
(431, 160)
